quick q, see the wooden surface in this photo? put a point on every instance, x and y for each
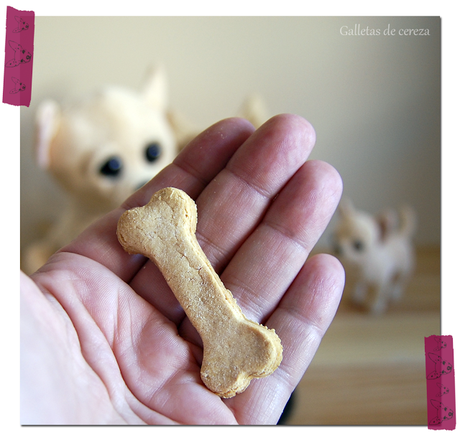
(371, 370)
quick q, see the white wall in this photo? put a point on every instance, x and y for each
(373, 100)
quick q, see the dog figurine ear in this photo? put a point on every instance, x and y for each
(387, 222)
(254, 110)
(155, 89)
(47, 123)
(184, 130)
(346, 207)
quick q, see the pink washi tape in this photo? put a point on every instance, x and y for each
(440, 382)
(19, 49)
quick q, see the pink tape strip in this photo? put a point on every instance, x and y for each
(19, 49)
(440, 382)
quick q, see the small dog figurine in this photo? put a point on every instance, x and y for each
(376, 252)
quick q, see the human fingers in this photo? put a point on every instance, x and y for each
(272, 256)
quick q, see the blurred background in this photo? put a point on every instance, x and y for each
(375, 103)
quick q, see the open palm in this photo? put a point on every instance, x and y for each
(103, 339)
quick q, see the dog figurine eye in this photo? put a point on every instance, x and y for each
(358, 245)
(153, 152)
(112, 167)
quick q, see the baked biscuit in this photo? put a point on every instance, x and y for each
(235, 349)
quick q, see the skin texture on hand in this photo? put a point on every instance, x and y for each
(103, 339)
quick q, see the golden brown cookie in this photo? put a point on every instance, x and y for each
(235, 349)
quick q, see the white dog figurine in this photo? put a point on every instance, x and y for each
(376, 252)
(100, 149)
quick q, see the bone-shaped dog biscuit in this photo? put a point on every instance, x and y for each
(235, 349)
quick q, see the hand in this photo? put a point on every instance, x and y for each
(103, 339)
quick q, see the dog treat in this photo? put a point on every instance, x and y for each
(235, 349)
